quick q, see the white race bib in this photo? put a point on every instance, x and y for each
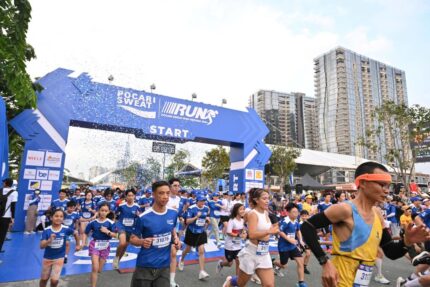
(101, 244)
(200, 221)
(86, 215)
(263, 248)
(128, 221)
(237, 240)
(162, 240)
(363, 275)
(68, 222)
(291, 235)
(57, 243)
(217, 213)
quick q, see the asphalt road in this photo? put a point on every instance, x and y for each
(189, 277)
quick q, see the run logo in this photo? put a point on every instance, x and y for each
(188, 112)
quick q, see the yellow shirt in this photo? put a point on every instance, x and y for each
(307, 207)
(405, 220)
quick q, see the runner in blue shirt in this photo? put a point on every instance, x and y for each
(145, 201)
(195, 236)
(289, 239)
(54, 242)
(108, 198)
(97, 197)
(61, 202)
(153, 260)
(322, 206)
(215, 206)
(87, 212)
(102, 231)
(127, 212)
(71, 217)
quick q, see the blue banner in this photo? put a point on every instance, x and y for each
(4, 142)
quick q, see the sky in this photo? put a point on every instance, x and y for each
(220, 49)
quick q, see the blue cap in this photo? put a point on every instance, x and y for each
(415, 198)
(230, 193)
(201, 198)
(215, 194)
(148, 190)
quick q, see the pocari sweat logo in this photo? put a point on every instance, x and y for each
(142, 105)
(188, 112)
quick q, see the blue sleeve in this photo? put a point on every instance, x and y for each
(89, 227)
(45, 235)
(190, 213)
(424, 214)
(137, 228)
(69, 231)
(283, 226)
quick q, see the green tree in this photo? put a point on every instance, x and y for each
(179, 161)
(215, 164)
(282, 162)
(151, 171)
(16, 87)
(398, 126)
(131, 173)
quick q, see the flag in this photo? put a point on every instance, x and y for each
(4, 142)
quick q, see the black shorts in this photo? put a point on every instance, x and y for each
(231, 255)
(224, 218)
(427, 246)
(195, 239)
(145, 277)
(285, 255)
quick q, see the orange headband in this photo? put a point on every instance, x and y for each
(373, 177)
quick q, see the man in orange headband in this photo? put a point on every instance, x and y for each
(358, 231)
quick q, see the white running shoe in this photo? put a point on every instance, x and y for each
(227, 281)
(180, 264)
(115, 263)
(278, 272)
(255, 279)
(400, 282)
(219, 267)
(381, 279)
(27, 232)
(203, 275)
(173, 284)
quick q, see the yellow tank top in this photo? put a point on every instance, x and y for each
(360, 248)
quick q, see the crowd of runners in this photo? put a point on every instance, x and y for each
(349, 234)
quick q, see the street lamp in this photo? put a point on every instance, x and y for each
(110, 79)
(223, 102)
(193, 96)
(152, 87)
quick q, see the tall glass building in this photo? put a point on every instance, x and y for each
(348, 87)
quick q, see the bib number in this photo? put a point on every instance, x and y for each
(363, 275)
(263, 248)
(200, 222)
(68, 222)
(101, 244)
(57, 243)
(237, 240)
(162, 240)
(217, 213)
(128, 221)
(86, 215)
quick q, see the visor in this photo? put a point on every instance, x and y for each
(385, 177)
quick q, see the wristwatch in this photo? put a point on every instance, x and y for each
(322, 259)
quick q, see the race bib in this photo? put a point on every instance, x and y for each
(217, 213)
(363, 275)
(68, 222)
(128, 221)
(237, 240)
(291, 235)
(162, 240)
(101, 244)
(263, 248)
(86, 215)
(200, 222)
(57, 243)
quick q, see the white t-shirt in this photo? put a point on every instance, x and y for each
(174, 202)
(13, 197)
(234, 226)
(227, 206)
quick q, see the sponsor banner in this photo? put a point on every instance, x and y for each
(33, 184)
(42, 174)
(259, 174)
(253, 184)
(54, 175)
(46, 185)
(53, 159)
(29, 173)
(34, 158)
(141, 105)
(188, 112)
(249, 174)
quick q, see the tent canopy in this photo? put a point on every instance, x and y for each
(309, 183)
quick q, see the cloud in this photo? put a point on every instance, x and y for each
(359, 41)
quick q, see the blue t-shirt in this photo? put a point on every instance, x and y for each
(70, 219)
(95, 226)
(127, 216)
(160, 227)
(425, 216)
(214, 210)
(57, 248)
(323, 206)
(97, 199)
(290, 229)
(34, 200)
(198, 226)
(85, 209)
(112, 204)
(145, 200)
(76, 199)
(59, 204)
(391, 209)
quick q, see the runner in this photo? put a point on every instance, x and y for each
(145, 201)
(153, 260)
(54, 242)
(289, 240)
(235, 234)
(357, 231)
(174, 203)
(255, 256)
(304, 215)
(71, 219)
(307, 205)
(225, 211)
(102, 231)
(195, 236)
(215, 206)
(30, 221)
(108, 198)
(88, 212)
(60, 202)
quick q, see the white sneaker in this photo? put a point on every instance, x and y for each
(381, 279)
(180, 264)
(278, 272)
(203, 275)
(227, 281)
(115, 263)
(219, 267)
(173, 284)
(400, 282)
(255, 279)
(27, 232)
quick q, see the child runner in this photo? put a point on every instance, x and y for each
(99, 248)
(88, 212)
(71, 218)
(54, 242)
(304, 215)
(235, 234)
(61, 202)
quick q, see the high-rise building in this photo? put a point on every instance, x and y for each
(96, 171)
(348, 88)
(290, 117)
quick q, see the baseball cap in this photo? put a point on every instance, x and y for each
(201, 198)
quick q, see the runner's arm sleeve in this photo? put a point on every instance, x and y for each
(309, 232)
(392, 250)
